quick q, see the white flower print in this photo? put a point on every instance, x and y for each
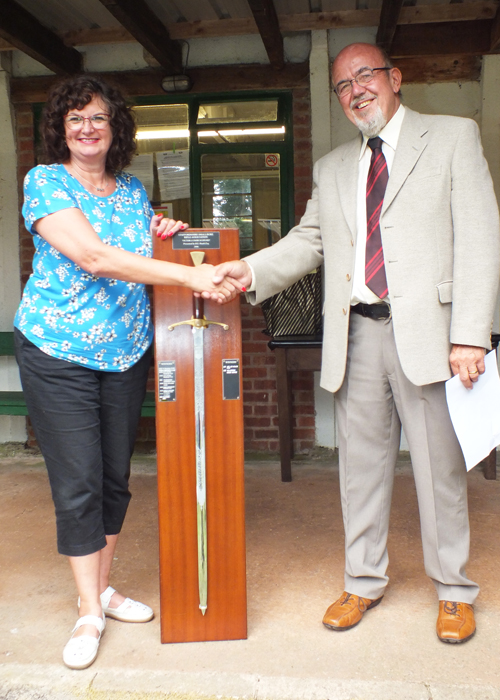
(60, 194)
(38, 331)
(101, 297)
(73, 313)
(62, 272)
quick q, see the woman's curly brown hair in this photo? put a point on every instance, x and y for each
(74, 93)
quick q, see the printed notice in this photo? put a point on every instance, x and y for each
(166, 381)
(230, 380)
(196, 240)
(142, 167)
(173, 174)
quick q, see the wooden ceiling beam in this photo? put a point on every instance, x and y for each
(439, 69)
(419, 14)
(148, 82)
(421, 69)
(467, 38)
(495, 33)
(266, 19)
(24, 32)
(144, 25)
(389, 18)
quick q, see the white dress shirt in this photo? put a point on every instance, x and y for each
(390, 136)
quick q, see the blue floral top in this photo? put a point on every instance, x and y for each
(102, 323)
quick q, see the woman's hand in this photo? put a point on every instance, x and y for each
(200, 280)
(165, 228)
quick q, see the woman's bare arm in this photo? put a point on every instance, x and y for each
(72, 235)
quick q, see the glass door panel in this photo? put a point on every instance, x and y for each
(242, 190)
(162, 159)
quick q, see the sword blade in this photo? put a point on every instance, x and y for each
(201, 485)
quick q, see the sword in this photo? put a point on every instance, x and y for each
(198, 322)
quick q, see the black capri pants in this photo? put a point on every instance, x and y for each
(85, 422)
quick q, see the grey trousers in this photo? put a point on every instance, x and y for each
(373, 402)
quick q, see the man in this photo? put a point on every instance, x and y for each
(406, 226)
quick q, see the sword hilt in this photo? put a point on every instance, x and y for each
(197, 256)
(198, 319)
(198, 323)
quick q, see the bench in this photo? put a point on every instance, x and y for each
(12, 403)
(304, 352)
(293, 353)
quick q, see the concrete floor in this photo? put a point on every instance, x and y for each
(295, 570)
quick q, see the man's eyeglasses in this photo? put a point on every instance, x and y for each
(366, 76)
(98, 121)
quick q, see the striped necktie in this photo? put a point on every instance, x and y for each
(376, 184)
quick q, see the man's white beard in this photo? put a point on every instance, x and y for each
(373, 126)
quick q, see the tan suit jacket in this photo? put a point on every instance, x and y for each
(440, 233)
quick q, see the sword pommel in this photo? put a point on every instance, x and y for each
(197, 256)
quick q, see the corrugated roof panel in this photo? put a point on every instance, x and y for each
(169, 11)
(69, 15)
(198, 10)
(336, 5)
(292, 7)
(232, 9)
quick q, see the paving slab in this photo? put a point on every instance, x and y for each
(294, 571)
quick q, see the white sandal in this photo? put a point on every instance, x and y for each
(128, 611)
(81, 651)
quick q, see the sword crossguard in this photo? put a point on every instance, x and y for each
(198, 323)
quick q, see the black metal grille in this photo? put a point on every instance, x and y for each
(297, 309)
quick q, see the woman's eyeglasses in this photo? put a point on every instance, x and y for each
(98, 121)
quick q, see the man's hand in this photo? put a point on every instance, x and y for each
(201, 280)
(234, 273)
(468, 362)
(238, 270)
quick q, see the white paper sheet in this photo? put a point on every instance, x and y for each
(142, 167)
(173, 174)
(475, 413)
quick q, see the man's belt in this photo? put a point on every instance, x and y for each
(377, 312)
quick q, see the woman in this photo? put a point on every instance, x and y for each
(83, 332)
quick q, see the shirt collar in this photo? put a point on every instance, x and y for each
(390, 132)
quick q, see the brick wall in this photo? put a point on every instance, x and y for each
(259, 371)
(259, 376)
(25, 161)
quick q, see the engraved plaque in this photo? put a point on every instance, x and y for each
(196, 240)
(230, 380)
(166, 381)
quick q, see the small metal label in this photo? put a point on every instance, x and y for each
(230, 379)
(196, 240)
(166, 381)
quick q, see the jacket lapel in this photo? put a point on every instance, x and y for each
(346, 177)
(411, 144)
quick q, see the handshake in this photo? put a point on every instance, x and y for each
(221, 283)
(227, 280)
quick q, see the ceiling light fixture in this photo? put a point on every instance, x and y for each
(162, 134)
(176, 83)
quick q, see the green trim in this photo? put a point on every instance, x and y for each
(7, 343)
(284, 147)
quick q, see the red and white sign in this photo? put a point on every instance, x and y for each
(272, 160)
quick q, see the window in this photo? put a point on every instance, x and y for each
(220, 162)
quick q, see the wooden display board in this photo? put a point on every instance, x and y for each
(225, 616)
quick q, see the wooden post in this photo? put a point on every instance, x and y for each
(225, 617)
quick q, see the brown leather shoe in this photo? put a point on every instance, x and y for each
(455, 623)
(347, 611)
